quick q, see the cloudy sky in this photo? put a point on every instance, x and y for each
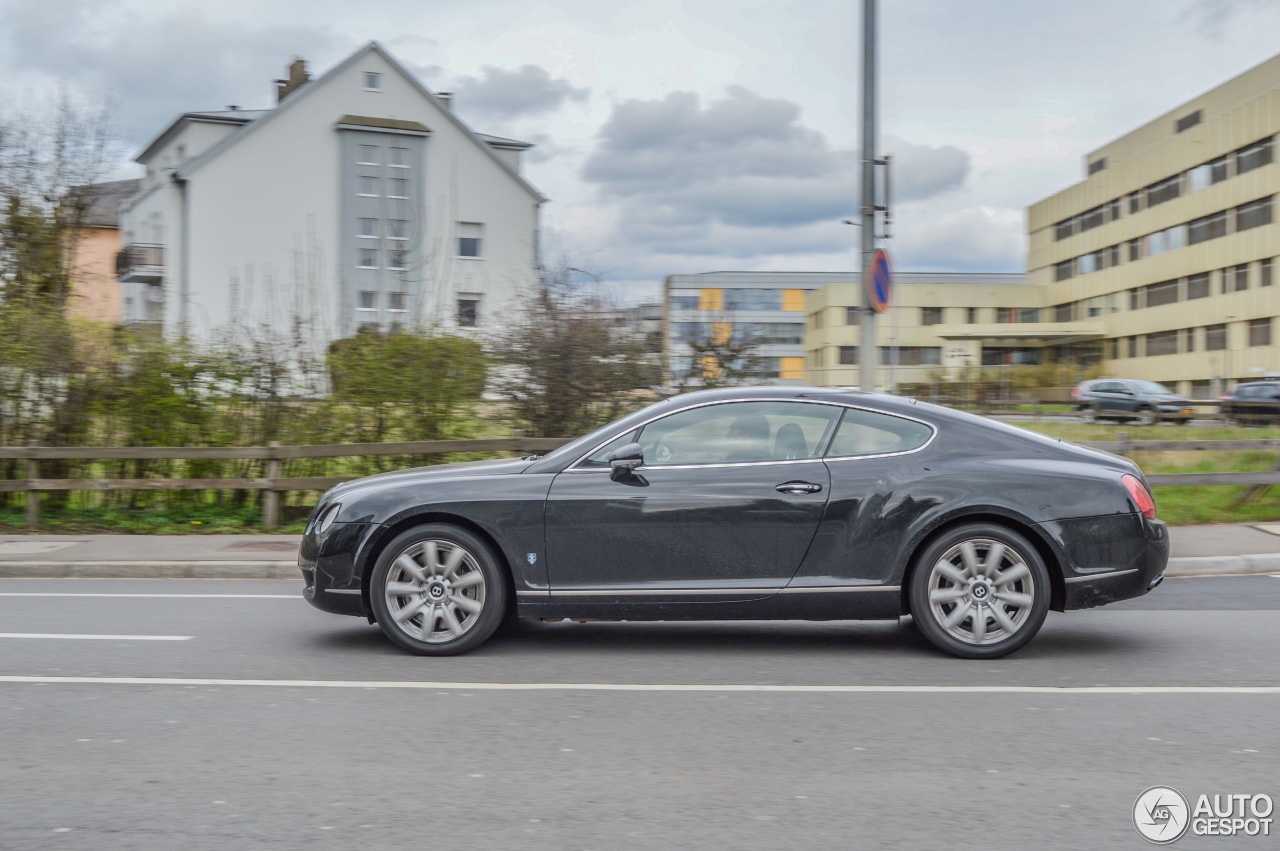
(681, 136)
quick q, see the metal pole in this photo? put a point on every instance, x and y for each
(867, 340)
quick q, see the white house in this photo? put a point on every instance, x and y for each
(359, 199)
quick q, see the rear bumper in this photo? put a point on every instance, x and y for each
(1107, 559)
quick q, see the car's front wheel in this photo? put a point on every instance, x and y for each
(438, 590)
(979, 591)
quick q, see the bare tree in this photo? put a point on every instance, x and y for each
(722, 353)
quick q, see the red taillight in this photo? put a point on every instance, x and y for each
(1146, 504)
(1075, 393)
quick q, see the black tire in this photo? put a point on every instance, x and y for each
(1030, 589)
(441, 620)
(1087, 414)
(1147, 417)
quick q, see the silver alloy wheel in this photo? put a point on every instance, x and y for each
(981, 591)
(435, 591)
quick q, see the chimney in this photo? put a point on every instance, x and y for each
(445, 98)
(298, 77)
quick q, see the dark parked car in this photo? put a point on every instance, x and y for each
(1128, 399)
(1255, 403)
(763, 503)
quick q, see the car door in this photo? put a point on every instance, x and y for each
(723, 508)
(1108, 397)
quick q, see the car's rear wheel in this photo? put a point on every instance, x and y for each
(1088, 415)
(980, 591)
(438, 590)
(1146, 417)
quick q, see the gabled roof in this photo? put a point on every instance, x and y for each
(103, 201)
(222, 116)
(193, 165)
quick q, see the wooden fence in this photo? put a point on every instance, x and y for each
(273, 454)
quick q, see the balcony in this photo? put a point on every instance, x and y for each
(141, 262)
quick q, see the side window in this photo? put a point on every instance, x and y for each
(871, 433)
(739, 432)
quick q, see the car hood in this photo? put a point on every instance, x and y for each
(434, 472)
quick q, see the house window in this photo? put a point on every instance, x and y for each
(368, 155)
(399, 158)
(367, 185)
(368, 300)
(396, 260)
(931, 316)
(1260, 332)
(368, 258)
(848, 355)
(397, 229)
(372, 81)
(368, 227)
(1215, 337)
(396, 301)
(399, 188)
(469, 235)
(468, 312)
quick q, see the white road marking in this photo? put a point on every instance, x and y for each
(96, 637)
(656, 687)
(178, 596)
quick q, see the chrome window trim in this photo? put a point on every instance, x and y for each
(574, 468)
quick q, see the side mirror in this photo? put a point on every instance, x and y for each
(625, 459)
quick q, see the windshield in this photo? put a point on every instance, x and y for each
(589, 440)
(1151, 387)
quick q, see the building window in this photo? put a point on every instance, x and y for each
(1218, 169)
(1113, 255)
(1254, 214)
(372, 81)
(1253, 156)
(397, 229)
(367, 185)
(1064, 312)
(1064, 270)
(368, 155)
(1242, 277)
(931, 316)
(973, 316)
(1162, 343)
(1165, 292)
(1135, 249)
(1003, 356)
(468, 312)
(368, 300)
(399, 188)
(396, 260)
(1215, 338)
(1188, 339)
(851, 316)
(368, 227)
(1135, 296)
(1207, 227)
(399, 158)
(1133, 347)
(1113, 209)
(1260, 332)
(1097, 165)
(1135, 202)
(1163, 190)
(1199, 178)
(1028, 314)
(848, 355)
(912, 355)
(469, 235)
(684, 302)
(396, 301)
(1266, 272)
(1064, 228)
(1092, 218)
(1198, 286)
(368, 258)
(1186, 122)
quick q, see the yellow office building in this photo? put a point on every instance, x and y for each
(1160, 262)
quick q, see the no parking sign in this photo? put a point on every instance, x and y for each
(879, 280)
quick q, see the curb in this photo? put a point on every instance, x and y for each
(149, 570)
(1242, 565)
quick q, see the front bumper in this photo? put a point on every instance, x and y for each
(329, 565)
(1111, 558)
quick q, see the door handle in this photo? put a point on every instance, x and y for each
(798, 487)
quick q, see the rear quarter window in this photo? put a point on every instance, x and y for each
(870, 433)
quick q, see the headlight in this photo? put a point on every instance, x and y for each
(326, 520)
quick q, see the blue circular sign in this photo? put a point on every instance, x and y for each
(879, 281)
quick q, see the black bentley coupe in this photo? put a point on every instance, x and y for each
(747, 503)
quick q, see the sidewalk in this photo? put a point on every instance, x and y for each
(1197, 551)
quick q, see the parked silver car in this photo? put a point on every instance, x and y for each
(1126, 399)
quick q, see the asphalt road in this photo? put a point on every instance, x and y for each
(250, 720)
